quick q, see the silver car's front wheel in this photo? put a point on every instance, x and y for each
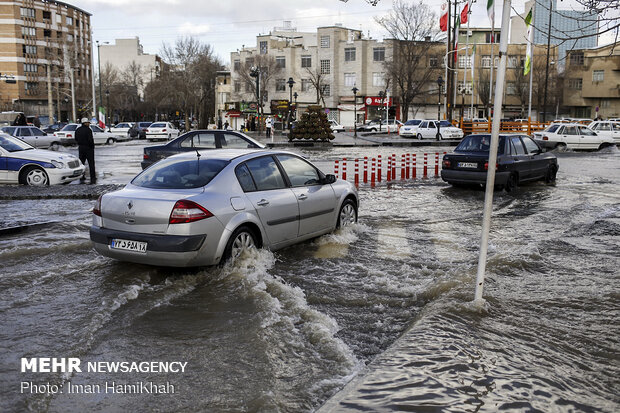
(347, 215)
(241, 240)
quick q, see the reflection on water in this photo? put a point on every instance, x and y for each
(286, 331)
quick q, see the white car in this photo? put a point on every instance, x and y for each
(336, 127)
(161, 130)
(33, 135)
(121, 130)
(20, 163)
(409, 128)
(427, 129)
(571, 135)
(390, 125)
(606, 128)
(67, 135)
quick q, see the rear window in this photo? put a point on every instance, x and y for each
(69, 128)
(179, 173)
(552, 128)
(144, 124)
(479, 143)
(413, 122)
(158, 125)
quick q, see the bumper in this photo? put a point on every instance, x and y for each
(452, 176)
(157, 136)
(68, 141)
(164, 250)
(62, 176)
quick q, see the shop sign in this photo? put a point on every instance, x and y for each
(377, 101)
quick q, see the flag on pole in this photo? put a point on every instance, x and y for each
(530, 39)
(465, 12)
(443, 19)
(491, 10)
(457, 25)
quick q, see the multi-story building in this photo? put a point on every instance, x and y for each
(46, 47)
(592, 80)
(127, 52)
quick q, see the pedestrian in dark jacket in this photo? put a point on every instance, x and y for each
(36, 121)
(86, 148)
(20, 120)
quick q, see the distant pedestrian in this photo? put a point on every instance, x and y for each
(36, 121)
(219, 123)
(226, 125)
(20, 120)
(86, 148)
(268, 124)
(253, 124)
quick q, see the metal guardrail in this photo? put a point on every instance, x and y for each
(505, 127)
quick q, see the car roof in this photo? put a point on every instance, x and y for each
(229, 154)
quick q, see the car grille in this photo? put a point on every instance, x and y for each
(74, 164)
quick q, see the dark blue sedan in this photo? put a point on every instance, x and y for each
(519, 159)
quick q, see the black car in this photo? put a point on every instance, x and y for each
(55, 127)
(199, 139)
(519, 159)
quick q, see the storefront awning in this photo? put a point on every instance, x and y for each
(350, 107)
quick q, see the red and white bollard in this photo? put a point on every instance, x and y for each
(336, 165)
(436, 164)
(402, 167)
(425, 166)
(379, 171)
(344, 168)
(357, 173)
(393, 166)
(414, 169)
(389, 169)
(372, 174)
(365, 169)
(408, 162)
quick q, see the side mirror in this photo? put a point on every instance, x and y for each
(329, 179)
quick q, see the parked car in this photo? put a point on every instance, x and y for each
(607, 128)
(336, 127)
(161, 131)
(234, 199)
(142, 127)
(572, 136)
(55, 127)
(122, 130)
(390, 125)
(370, 126)
(67, 135)
(427, 129)
(408, 129)
(199, 139)
(21, 163)
(519, 159)
(33, 136)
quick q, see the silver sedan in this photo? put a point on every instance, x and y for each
(202, 208)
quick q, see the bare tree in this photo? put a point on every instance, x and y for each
(317, 79)
(412, 26)
(268, 68)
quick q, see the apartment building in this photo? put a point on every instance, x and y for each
(592, 82)
(45, 46)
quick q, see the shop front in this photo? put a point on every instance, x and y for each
(376, 107)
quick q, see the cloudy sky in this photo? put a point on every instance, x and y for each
(229, 24)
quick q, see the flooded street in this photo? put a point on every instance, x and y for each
(378, 315)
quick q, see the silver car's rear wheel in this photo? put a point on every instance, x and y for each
(241, 240)
(347, 215)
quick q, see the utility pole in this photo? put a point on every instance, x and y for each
(547, 65)
(72, 95)
(50, 99)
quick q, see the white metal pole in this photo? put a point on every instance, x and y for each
(473, 82)
(445, 99)
(488, 195)
(72, 95)
(492, 61)
(467, 58)
(92, 73)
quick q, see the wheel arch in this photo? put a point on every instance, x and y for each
(27, 166)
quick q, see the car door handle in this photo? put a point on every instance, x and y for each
(262, 202)
(302, 197)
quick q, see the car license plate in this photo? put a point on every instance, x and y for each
(77, 172)
(468, 165)
(128, 245)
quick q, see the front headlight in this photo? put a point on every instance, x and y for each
(58, 165)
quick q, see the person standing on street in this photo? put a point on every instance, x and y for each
(36, 121)
(268, 126)
(86, 148)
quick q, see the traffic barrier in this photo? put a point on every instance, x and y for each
(372, 174)
(415, 167)
(365, 169)
(402, 167)
(436, 164)
(393, 167)
(344, 168)
(379, 170)
(357, 171)
(336, 168)
(389, 169)
(425, 166)
(407, 166)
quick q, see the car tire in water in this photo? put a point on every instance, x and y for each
(551, 174)
(54, 146)
(419, 136)
(512, 182)
(604, 145)
(33, 176)
(347, 215)
(242, 239)
(561, 147)
(110, 141)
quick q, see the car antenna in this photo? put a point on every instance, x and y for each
(197, 161)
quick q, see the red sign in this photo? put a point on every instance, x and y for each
(377, 101)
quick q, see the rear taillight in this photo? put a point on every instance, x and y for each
(446, 163)
(163, 130)
(97, 208)
(185, 211)
(545, 138)
(145, 156)
(68, 135)
(486, 166)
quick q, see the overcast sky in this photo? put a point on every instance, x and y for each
(229, 24)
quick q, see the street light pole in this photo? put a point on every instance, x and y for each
(439, 84)
(295, 95)
(107, 97)
(354, 90)
(290, 82)
(380, 108)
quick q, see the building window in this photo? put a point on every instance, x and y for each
(327, 90)
(32, 88)
(237, 86)
(29, 31)
(27, 49)
(378, 79)
(512, 61)
(576, 59)
(489, 36)
(325, 67)
(349, 54)
(69, 21)
(511, 88)
(598, 75)
(464, 61)
(325, 42)
(575, 83)
(236, 65)
(47, 15)
(248, 87)
(306, 85)
(69, 37)
(30, 68)
(464, 88)
(249, 61)
(263, 47)
(280, 85)
(27, 12)
(349, 79)
(432, 61)
(486, 61)
(378, 54)
(281, 62)
(306, 61)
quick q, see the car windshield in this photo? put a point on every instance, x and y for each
(179, 173)
(158, 125)
(478, 143)
(552, 128)
(70, 128)
(10, 144)
(413, 122)
(445, 124)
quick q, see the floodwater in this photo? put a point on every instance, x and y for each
(384, 306)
